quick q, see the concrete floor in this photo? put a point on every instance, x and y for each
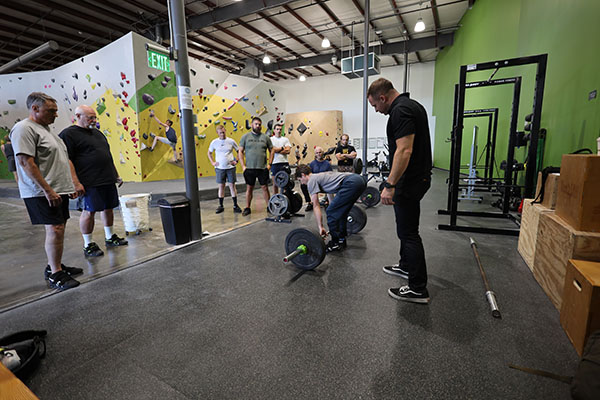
(225, 318)
(23, 243)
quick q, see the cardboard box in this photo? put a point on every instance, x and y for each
(578, 200)
(557, 242)
(528, 233)
(550, 190)
(580, 311)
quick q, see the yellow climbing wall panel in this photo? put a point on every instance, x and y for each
(309, 129)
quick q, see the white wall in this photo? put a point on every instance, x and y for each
(336, 92)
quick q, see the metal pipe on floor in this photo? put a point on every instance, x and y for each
(490, 296)
(182, 77)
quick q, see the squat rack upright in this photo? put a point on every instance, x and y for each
(457, 133)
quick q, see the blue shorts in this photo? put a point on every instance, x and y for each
(100, 198)
(275, 168)
(225, 174)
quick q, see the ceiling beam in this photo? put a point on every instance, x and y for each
(436, 17)
(267, 37)
(290, 74)
(305, 23)
(402, 23)
(412, 45)
(337, 21)
(287, 32)
(383, 41)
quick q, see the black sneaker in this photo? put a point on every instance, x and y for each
(246, 211)
(405, 293)
(219, 210)
(115, 241)
(71, 271)
(92, 250)
(335, 246)
(62, 281)
(396, 270)
(237, 209)
(309, 207)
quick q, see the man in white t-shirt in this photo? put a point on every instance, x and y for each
(224, 163)
(281, 148)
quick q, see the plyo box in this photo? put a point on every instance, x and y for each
(557, 242)
(578, 200)
(530, 219)
(580, 310)
(550, 190)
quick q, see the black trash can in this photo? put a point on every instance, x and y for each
(175, 216)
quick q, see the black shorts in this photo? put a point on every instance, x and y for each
(250, 176)
(100, 198)
(41, 213)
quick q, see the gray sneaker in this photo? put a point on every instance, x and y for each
(396, 271)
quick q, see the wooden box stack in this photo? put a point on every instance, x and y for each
(528, 234)
(580, 311)
(573, 231)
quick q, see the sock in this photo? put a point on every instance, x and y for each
(221, 201)
(108, 232)
(87, 239)
(234, 201)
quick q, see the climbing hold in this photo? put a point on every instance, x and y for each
(125, 93)
(167, 78)
(271, 93)
(11, 101)
(247, 124)
(88, 77)
(123, 77)
(75, 97)
(193, 71)
(122, 84)
(97, 67)
(148, 99)
(151, 77)
(145, 136)
(127, 81)
(75, 75)
(164, 84)
(171, 110)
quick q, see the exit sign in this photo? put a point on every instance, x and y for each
(158, 61)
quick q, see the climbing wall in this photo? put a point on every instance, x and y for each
(307, 130)
(103, 80)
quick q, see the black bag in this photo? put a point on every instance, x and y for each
(586, 383)
(30, 348)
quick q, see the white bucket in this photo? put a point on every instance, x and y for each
(135, 211)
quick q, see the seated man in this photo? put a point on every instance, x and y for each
(347, 187)
(319, 164)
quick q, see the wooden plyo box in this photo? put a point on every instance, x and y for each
(578, 200)
(556, 244)
(550, 190)
(528, 234)
(580, 310)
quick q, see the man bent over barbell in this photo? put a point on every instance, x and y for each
(347, 186)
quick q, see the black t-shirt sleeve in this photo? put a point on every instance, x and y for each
(64, 135)
(402, 124)
(338, 149)
(351, 149)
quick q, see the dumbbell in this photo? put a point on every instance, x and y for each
(306, 249)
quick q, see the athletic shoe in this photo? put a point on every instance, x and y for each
(335, 246)
(405, 293)
(237, 209)
(115, 241)
(396, 270)
(309, 207)
(71, 271)
(62, 281)
(219, 210)
(92, 250)
(246, 211)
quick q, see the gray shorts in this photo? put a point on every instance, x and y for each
(225, 174)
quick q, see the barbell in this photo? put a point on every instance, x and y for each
(306, 249)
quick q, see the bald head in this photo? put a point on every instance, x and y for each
(319, 154)
(86, 116)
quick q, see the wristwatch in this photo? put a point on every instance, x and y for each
(388, 185)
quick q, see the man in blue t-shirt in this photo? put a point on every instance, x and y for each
(170, 139)
(319, 164)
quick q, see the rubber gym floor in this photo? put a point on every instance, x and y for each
(225, 318)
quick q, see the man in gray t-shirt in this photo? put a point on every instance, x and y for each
(46, 181)
(252, 154)
(347, 186)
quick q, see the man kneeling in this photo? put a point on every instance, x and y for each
(347, 186)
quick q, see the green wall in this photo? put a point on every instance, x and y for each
(568, 31)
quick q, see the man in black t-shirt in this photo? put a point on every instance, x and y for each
(409, 179)
(89, 156)
(170, 139)
(345, 154)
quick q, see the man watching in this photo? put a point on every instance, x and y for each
(281, 149)
(46, 182)
(89, 155)
(224, 163)
(345, 154)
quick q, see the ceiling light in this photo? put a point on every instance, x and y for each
(302, 78)
(325, 43)
(266, 59)
(420, 25)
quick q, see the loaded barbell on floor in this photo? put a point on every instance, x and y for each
(370, 197)
(306, 249)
